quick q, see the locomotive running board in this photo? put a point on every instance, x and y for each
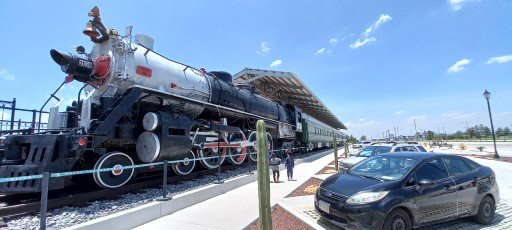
(167, 94)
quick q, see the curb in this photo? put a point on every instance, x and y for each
(134, 217)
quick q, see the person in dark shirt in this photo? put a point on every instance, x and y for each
(290, 164)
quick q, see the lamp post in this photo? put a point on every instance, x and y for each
(487, 95)
(416, 130)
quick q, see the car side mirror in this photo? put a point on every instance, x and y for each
(425, 184)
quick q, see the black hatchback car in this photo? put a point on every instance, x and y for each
(406, 190)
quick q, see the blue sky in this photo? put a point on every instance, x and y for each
(376, 64)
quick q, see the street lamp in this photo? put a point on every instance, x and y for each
(416, 130)
(487, 95)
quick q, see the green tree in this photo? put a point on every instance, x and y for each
(499, 132)
(486, 131)
(458, 135)
(430, 135)
(506, 131)
(363, 138)
(352, 139)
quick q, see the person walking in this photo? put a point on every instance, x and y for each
(274, 165)
(290, 164)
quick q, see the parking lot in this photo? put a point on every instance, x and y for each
(305, 210)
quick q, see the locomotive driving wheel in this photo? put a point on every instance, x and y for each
(188, 164)
(253, 149)
(118, 175)
(237, 154)
(213, 162)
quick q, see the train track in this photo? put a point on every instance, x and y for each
(33, 206)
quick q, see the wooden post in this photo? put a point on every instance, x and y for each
(346, 149)
(263, 177)
(335, 145)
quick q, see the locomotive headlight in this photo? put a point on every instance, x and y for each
(366, 197)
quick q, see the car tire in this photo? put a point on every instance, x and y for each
(397, 219)
(486, 209)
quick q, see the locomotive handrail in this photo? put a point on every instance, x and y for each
(209, 104)
(48, 100)
(90, 171)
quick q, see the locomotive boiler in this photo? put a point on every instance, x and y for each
(141, 107)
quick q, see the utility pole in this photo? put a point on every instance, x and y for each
(415, 130)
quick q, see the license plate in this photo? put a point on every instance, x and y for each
(324, 206)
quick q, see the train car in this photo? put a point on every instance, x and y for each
(316, 134)
(142, 107)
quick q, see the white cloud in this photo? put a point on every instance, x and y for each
(365, 37)
(264, 48)
(499, 59)
(371, 121)
(458, 66)
(6, 75)
(399, 112)
(358, 43)
(333, 41)
(276, 63)
(320, 51)
(457, 4)
(361, 119)
(458, 116)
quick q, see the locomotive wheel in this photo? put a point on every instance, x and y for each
(186, 166)
(234, 157)
(116, 177)
(212, 163)
(253, 150)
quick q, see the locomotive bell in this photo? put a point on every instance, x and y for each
(90, 30)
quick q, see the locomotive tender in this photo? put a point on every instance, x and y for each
(141, 107)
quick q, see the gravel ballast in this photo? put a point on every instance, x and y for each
(307, 188)
(281, 220)
(68, 216)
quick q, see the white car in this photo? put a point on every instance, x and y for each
(361, 144)
(379, 148)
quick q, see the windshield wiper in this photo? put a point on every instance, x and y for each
(371, 177)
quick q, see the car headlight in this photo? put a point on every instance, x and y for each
(366, 197)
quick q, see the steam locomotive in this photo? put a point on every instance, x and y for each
(141, 107)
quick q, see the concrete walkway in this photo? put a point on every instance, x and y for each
(237, 208)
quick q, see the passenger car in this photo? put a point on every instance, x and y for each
(405, 190)
(379, 148)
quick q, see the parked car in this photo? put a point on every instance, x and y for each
(379, 148)
(357, 145)
(405, 190)
(361, 144)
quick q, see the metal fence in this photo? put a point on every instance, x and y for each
(46, 176)
(14, 122)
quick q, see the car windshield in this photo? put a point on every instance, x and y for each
(384, 167)
(369, 151)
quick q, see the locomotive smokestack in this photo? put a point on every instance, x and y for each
(79, 68)
(60, 58)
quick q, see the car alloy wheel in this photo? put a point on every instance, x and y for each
(398, 223)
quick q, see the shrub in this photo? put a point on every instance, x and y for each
(462, 146)
(481, 148)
